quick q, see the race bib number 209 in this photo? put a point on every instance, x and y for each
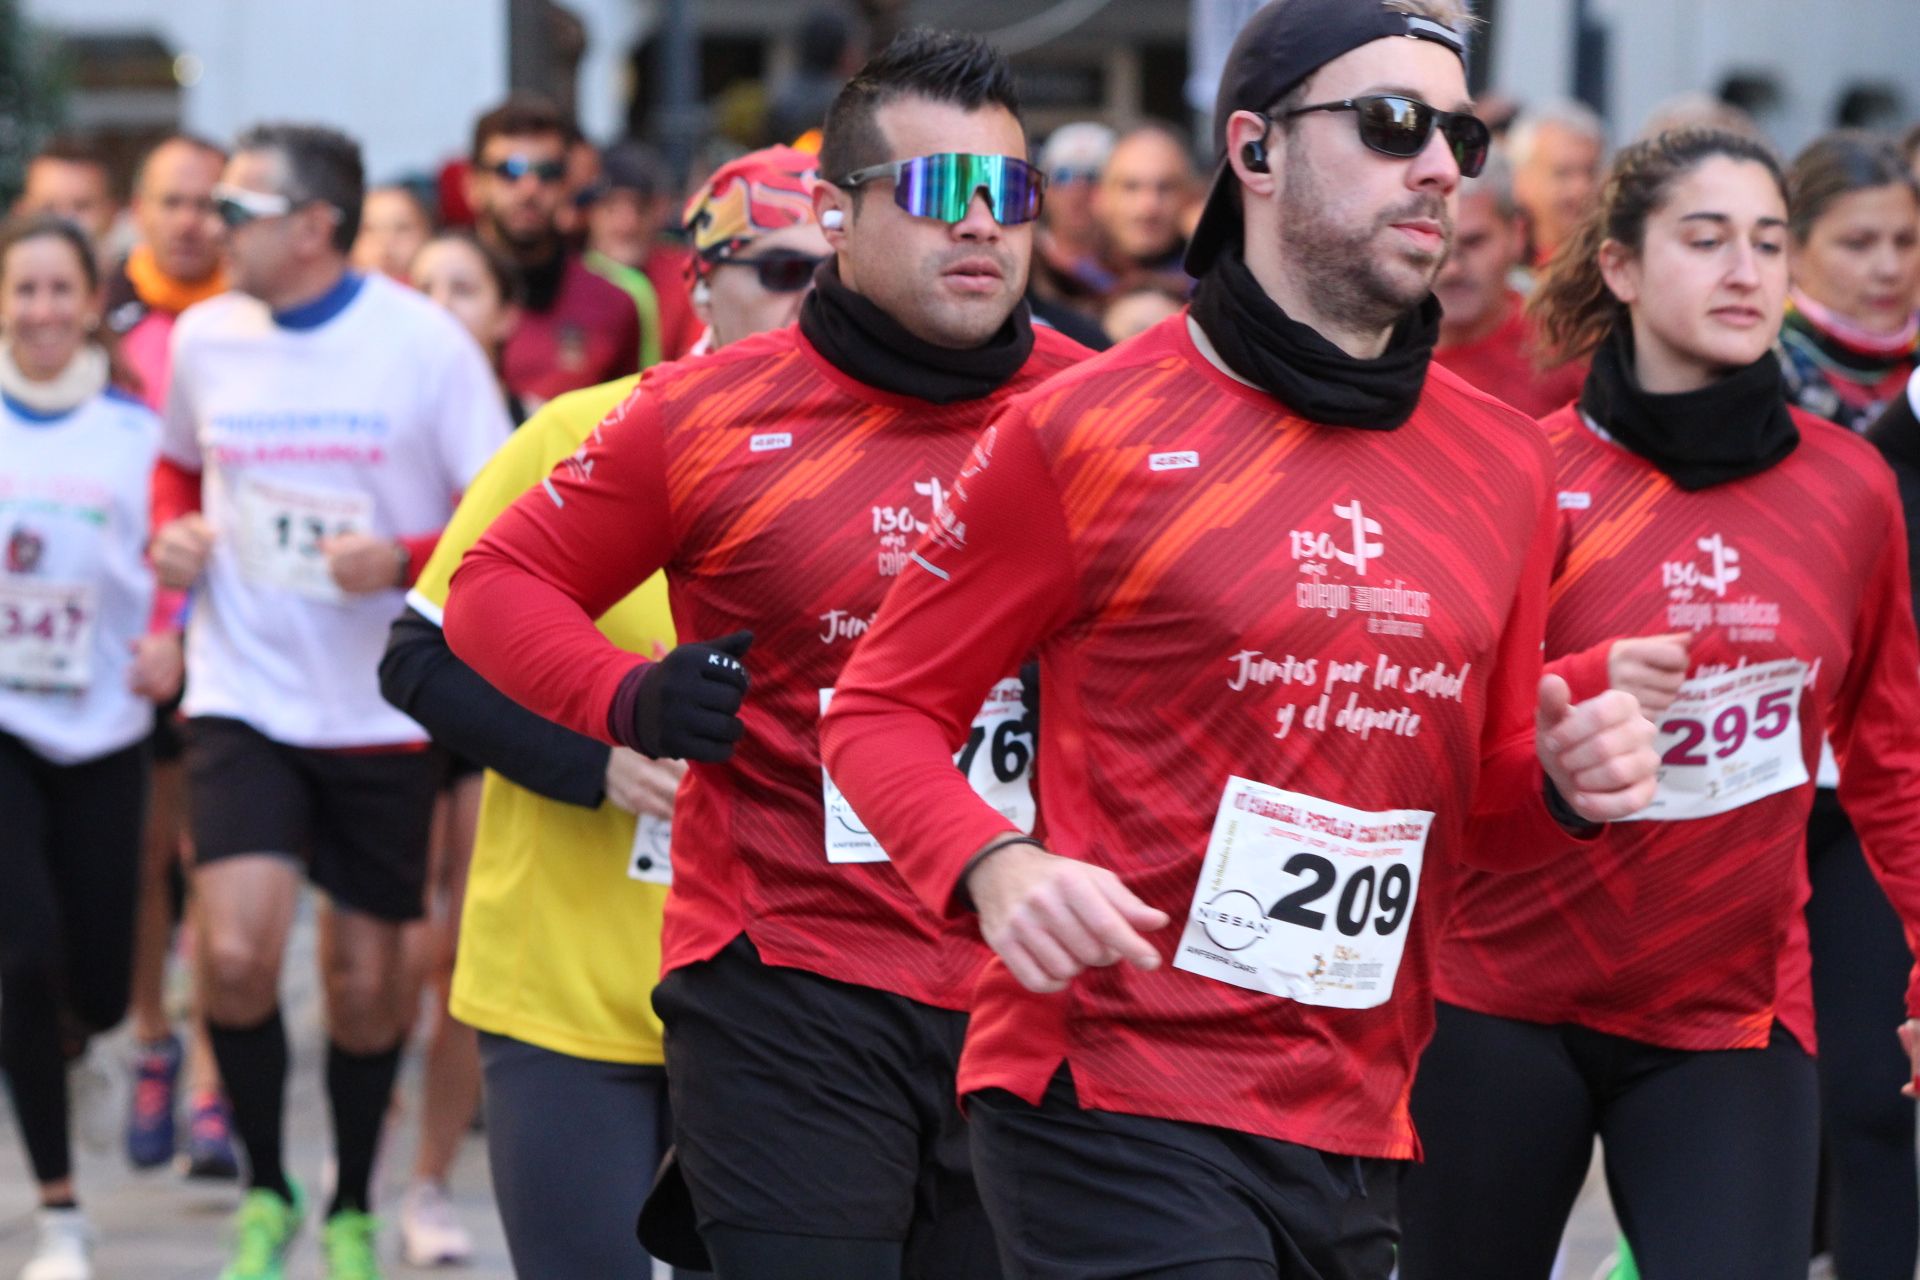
(1305, 899)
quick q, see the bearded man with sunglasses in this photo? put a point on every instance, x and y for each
(576, 328)
(1287, 585)
(813, 1009)
(330, 421)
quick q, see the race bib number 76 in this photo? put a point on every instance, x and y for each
(997, 760)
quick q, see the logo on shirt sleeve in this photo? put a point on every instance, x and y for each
(1181, 460)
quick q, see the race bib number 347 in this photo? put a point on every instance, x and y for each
(46, 633)
(1305, 899)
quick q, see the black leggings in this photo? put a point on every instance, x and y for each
(1860, 964)
(1710, 1156)
(1859, 991)
(70, 841)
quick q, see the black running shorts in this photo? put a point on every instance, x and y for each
(1097, 1195)
(360, 820)
(812, 1107)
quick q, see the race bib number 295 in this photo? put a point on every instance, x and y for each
(1729, 740)
(1305, 899)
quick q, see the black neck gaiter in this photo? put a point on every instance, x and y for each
(870, 346)
(1304, 371)
(1735, 426)
(540, 281)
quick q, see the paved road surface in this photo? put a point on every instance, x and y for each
(156, 1226)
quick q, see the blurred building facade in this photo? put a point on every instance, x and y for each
(1800, 66)
(408, 76)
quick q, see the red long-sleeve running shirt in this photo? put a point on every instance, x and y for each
(781, 497)
(1216, 589)
(1687, 931)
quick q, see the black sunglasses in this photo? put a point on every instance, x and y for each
(779, 272)
(1399, 127)
(514, 168)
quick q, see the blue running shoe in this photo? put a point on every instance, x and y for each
(210, 1150)
(150, 1130)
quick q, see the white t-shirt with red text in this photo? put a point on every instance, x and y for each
(367, 411)
(75, 589)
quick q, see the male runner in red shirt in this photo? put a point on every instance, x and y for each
(1485, 336)
(812, 1006)
(1287, 584)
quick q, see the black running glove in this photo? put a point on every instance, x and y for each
(687, 705)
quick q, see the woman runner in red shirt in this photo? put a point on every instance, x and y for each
(1652, 988)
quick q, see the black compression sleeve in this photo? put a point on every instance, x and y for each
(420, 675)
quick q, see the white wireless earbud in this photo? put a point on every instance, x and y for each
(833, 219)
(702, 294)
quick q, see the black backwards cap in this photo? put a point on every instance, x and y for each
(1282, 44)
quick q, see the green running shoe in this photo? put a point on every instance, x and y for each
(348, 1240)
(263, 1230)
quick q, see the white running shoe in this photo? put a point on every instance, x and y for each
(65, 1248)
(430, 1233)
(95, 1101)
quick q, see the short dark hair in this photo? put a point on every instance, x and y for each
(631, 165)
(322, 165)
(71, 150)
(520, 115)
(942, 66)
(194, 140)
(1910, 146)
(35, 226)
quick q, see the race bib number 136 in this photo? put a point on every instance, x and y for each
(281, 528)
